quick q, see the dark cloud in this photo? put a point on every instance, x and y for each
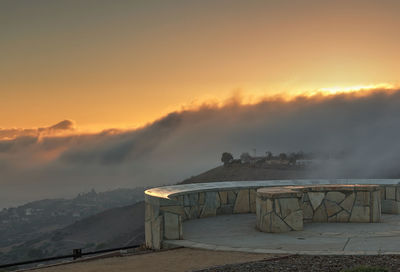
(61, 127)
(365, 128)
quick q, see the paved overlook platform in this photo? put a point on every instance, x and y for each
(238, 233)
(222, 216)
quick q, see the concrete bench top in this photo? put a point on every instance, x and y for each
(297, 191)
(176, 190)
(280, 192)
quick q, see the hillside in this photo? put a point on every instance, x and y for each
(32, 220)
(237, 172)
(115, 227)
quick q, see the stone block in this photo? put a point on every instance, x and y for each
(148, 236)
(223, 196)
(211, 204)
(397, 193)
(295, 220)
(343, 217)
(151, 211)
(331, 208)
(171, 226)
(376, 207)
(157, 232)
(390, 193)
(288, 205)
(305, 197)
(264, 223)
(332, 219)
(335, 197)
(316, 199)
(263, 206)
(191, 199)
(348, 203)
(277, 224)
(320, 214)
(276, 206)
(391, 206)
(201, 198)
(174, 209)
(192, 212)
(308, 211)
(242, 204)
(232, 197)
(253, 194)
(362, 199)
(382, 190)
(360, 214)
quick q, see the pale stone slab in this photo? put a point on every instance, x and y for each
(277, 206)
(295, 220)
(335, 196)
(193, 212)
(171, 226)
(223, 195)
(148, 238)
(347, 204)
(157, 232)
(201, 198)
(362, 198)
(331, 208)
(242, 202)
(360, 214)
(277, 224)
(390, 192)
(231, 197)
(376, 206)
(343, 216)
(316, 199)
(288, 205)
(211, 203)
(391, 206)
(308, 212)
(191, 199)
(152, 211)
(320, 214)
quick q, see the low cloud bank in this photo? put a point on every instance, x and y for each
(43, 163)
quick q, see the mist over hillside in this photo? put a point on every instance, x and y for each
(363, 126)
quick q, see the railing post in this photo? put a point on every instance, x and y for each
(77, 253)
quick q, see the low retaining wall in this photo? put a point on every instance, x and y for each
(283, 209)
(167, 207)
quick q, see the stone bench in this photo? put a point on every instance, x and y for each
(169, 206)
(283, 209)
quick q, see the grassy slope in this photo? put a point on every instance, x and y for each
(245, 172)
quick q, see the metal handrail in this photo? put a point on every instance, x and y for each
(77, 253)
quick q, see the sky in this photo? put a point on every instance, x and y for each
(124, 64)
(115, 94)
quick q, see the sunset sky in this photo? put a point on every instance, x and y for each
(123, 64)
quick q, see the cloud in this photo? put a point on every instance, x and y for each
(57, 129)
(365, 127)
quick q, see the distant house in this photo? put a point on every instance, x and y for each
(308, 162)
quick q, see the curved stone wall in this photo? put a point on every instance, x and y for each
(167, 207)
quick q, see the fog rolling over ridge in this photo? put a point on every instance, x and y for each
(60, 162)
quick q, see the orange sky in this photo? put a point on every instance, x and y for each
(125, 63)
